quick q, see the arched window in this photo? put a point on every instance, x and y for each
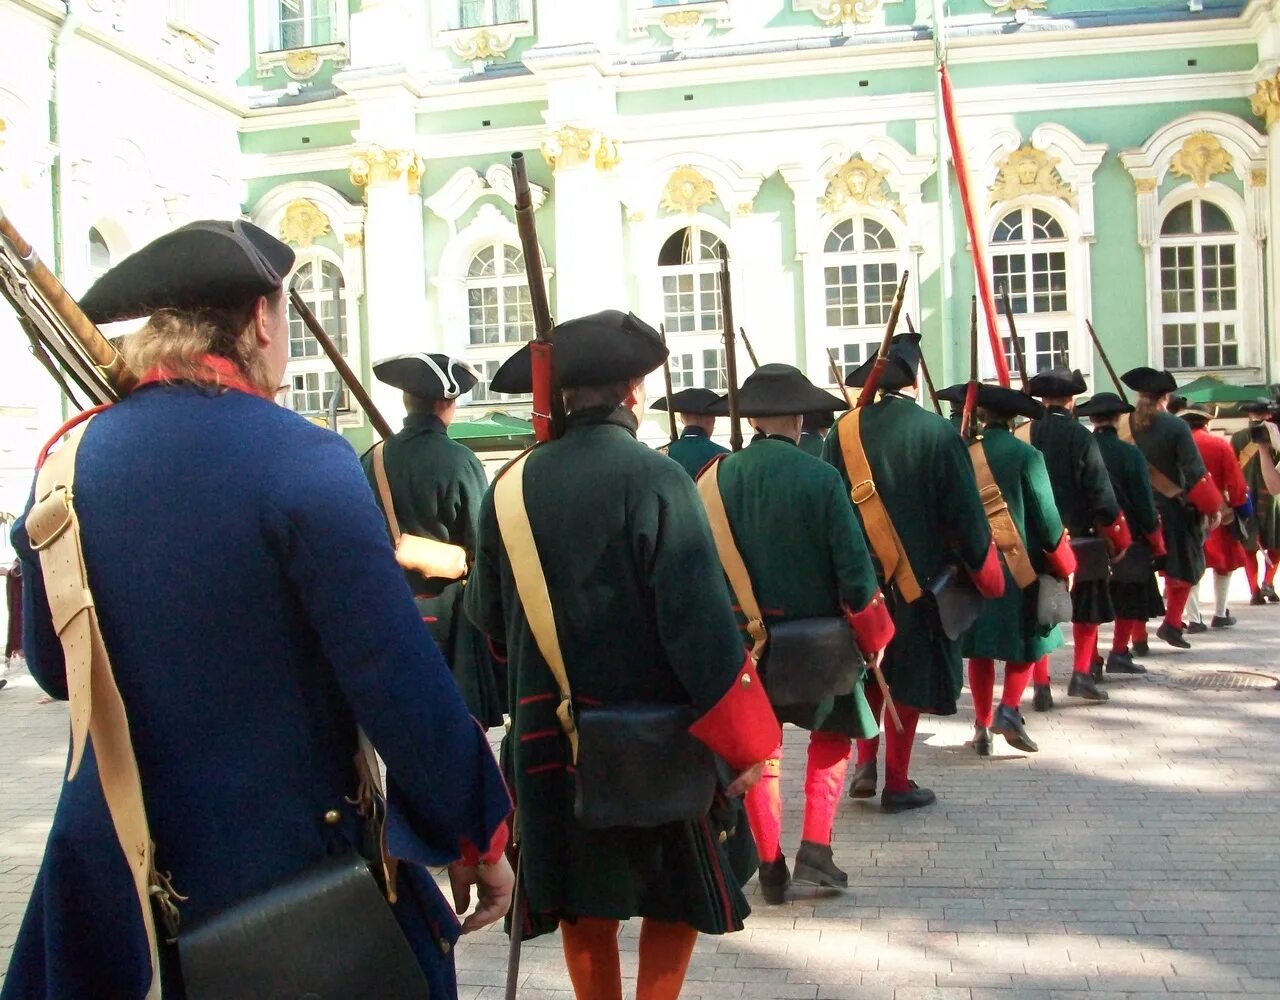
(499, 311)
(1029, 253)
(1199, 287)
(99, 256)
(689, 267)
(305, 22)
(312, 379)
(860, 276)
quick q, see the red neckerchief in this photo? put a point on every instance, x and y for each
(226, 375)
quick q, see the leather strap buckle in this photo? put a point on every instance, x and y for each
(49, 517)
(863, 491)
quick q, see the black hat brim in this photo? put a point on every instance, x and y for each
(428, 376)
(1152, 381)
(996, 399)
(203, 265)
(1103, 404)
(605, 347)
(777, 390)
(1057, 383)
(899, 372)
(692, 401)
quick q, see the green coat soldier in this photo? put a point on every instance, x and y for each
(922, 474)
(436, 486)
(627, 555)
(1087, 503)
(813, 434)
(1008, 628)
(1250, 444)
(694, 448)
(806, 557)
(1185, 492)
(1134, 591)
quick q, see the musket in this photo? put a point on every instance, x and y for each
(742, 332)
(53, 319)
(882, 358)
(924, 368)
(666, 377)
(516, 939)
(971, 394)
(548, 404)
(835, 373)
(340, 364)
(730, 351)
(1018, 356)
(1106, 361)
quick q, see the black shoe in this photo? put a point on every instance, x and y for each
(774, 879)
(1173, 636)
(915, 798)
(1195, 628)
(1142, 648)
(816, 866)
(864, 782)
(1258, 599)
(1095, 671)
(1082, 686)
(3, 682)
(1042, 700)
(1269, 592)
(1223, 621)
(1008, 723)
(982, 741)
(1122, 663)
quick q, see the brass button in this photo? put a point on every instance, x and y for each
(723, 836)
(746, 680)
(333, 817)
(445, 947)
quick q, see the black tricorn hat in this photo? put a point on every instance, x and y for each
(819, 421)
(1149, 380)
(1057, 382)
(428, 376)
(1103, 404)
(692, 401)
(778, 391)
(997, 399)
(609, 346)
(1198, 411)
(1260, 405)
(202, 265)
(904, 359)
(1177, 403)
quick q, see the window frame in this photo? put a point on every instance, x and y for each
(854, 344)
(267, 39)
(699, 342)
(487, 357)
(1198, 241)
(349, 415)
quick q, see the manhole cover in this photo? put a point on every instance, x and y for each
(1230, 680)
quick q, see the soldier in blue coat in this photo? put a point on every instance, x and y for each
(694, 448)
(255, 616)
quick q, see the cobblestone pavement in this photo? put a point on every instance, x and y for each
(1135, 856)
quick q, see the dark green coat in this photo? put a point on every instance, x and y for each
(1266, 511)
(811, 444)
(1168, 446)
(805, 553)
(1082, 490)
(1127, 468)
(436, 487)
(922, 470)
(694, 450)
(642, 617)
(1007, 629)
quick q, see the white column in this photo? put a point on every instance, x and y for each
(1266, 104)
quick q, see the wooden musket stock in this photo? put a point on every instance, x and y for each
(666, 377)
(882, 358)
(730, 351)
(548, 404)
(1106, 361)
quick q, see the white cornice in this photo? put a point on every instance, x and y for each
(331, 112)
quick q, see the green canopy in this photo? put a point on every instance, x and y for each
(494, 430)
(1211, 389)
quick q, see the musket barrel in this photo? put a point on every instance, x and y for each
(548, 404)
(666, 377)
(882, 358)
(1018, 355)
(924, 368)
(1093, 334)
(835, 371)
(730, 351)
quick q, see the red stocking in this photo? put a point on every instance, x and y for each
(897, 753)
(982, 682)
(1016, 676)
(1125, 628)
(763, 802)
(1176, 593)
(1269, 574)
(1251, 572)
(1086, 640)
(823, 779)
(1041, 671)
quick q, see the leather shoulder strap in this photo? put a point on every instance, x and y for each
(531, 584)
(384, 492)
(1003, 530)
(730, 558)
(1161, 483)
(1247, 454)
(881, 533)
(96, 708)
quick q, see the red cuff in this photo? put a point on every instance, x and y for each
(1156, 540)
(1118, 535)
(1206, 497)
(873, 625)
(1061, 562)
(741, 728)
(989, 578)
(471, 856)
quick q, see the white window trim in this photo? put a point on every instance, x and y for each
(1249, 279)
(493, 38)
(697, 342)
(267, 34)
(354, 355)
